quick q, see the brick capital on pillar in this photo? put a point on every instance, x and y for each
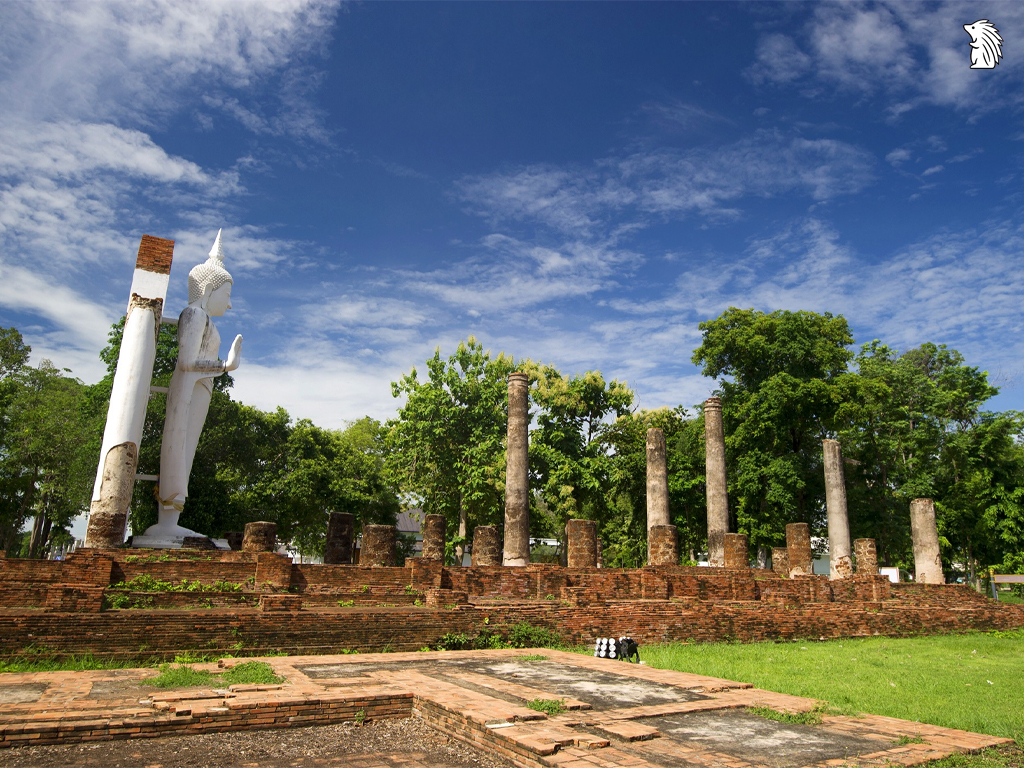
(717, 489)
(517, 473)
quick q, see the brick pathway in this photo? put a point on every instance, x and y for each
(473, 696)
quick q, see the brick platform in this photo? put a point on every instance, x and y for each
(255, 602)
(617, 714)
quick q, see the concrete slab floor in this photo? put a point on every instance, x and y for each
(618, 714)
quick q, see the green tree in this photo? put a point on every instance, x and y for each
(571, 465)
(781, 377)
(625, 532)
(46, 472)
(445, 448)
(914, 427)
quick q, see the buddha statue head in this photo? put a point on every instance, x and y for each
(209, 277)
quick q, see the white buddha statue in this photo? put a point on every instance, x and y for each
(188, 398)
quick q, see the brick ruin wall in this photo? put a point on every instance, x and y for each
(267, 603)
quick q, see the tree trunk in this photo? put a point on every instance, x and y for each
(37, 531)
(461, 547)
(45, 537)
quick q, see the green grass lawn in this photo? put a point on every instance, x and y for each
(974, 682)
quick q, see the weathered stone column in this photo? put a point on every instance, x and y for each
(379, 544)
(108, 514)
(866, 556)
(780, 561)
(718, 494)
(657, 479)
(927, 561)
(798, 549)
(341, 532)
(663, 545)
(433, 537)
(840, 565)
(517, 473)
(260, 537)
(737, 553)
(235, 539)
(486, 547)
(581, 537)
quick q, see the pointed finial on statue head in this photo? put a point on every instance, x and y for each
(217, 252)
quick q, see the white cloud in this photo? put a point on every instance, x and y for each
(897, 157)
(81, 178)
(708, 180)
(912, 52)
(131, 60)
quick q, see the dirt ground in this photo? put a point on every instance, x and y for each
(384, 743)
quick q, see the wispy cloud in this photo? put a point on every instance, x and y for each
(912, 53)
(708, 181)
(81, 174)
(134, 61)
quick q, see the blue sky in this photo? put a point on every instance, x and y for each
(580, 183)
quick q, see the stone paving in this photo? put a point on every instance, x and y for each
(616, 714)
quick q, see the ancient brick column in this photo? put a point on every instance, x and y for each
(866, 556)
(486, 546)
(780, 561)
(433, 538)
(341, 532)
(798, 549)
(657, 479)
(718, 494)
(379, 545)
(840, 565)
(581, 536)
(129, 395)
(260, 537)
(927, 562)
(663, 545)
(234, 540)
(517, 473)
(736, 550)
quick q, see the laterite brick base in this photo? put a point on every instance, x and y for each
(617, 714)
(262, 601)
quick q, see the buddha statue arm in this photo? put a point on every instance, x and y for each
(192, 331)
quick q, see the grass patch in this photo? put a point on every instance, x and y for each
(530, 657)
(1011, 756)
(180, 676)
(801, 718)
(970, 682)
(43, 662)
(549, 707)
(251, 672)
(902, 741)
